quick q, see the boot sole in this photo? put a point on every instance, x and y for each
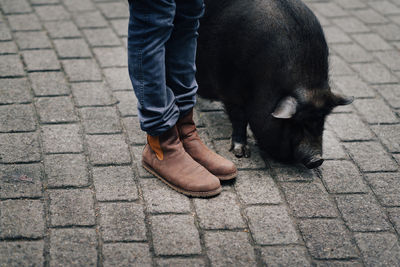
(227, 176)
(180, 190)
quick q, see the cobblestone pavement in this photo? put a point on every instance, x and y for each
(72, 191)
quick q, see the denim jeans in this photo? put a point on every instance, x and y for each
(162, 40)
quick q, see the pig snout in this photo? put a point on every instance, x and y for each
(311, 157)
(313, 161)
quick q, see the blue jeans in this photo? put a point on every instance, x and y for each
(162, 40)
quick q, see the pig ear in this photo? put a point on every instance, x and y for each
(286, 108)
(342, 100)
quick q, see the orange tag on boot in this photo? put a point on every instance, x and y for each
(154, 143)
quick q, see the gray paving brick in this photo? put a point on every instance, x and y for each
(118, 78)
(11, 65)
(100, 120)
(284, 256)
(394, 216)
(7, 48)
(379, 249)
(79, 5)
(101, 37)
(39, 2)
(55, 109)
(82, 70)
(115, 183)
(126, 255)
(327, 239)
(291, 173)
(5, 34)
(15, 6)
(21, 218)
(14, 91)
(342, 176)
(49, 83)
(111, 56)
(19, 147)
(335, 35)
(72, 48)
(127, 103)
(375, 111)
(91, 19)
(24, 22)
(137, 153)
(351, 25)
(389, 32)
(114, 10)
(385, 7)
(391, 93)
(159, 198)
(175, 235)
(361, 153)
(40, 60)
(32, 40)
(180, 262)
(120, 26)
(389, 135)
(351, 4)
(353, 86)
(17, 118)
(92, 94)
(62, 29)
(374, 73)
(21, 180)
(71, 207)
(349, 127)
(362, 213)
(352, 53)
(227, 208)
(369, 16)
(256, 187)
(108, 149)
(329, 9)
(371, 41)
(391, 59)
(386, 187)
(271, 225)
(331, 148)
(339, 67)
(52, 12)
(330, 263)
(61, 138)
(66, 170)
(122, 222)
(207, 105)
(73, 247)
(22, 253)
(135, 135)
(229, 249)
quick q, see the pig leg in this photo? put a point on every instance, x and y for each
(239, 119)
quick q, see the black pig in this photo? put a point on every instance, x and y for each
(267, 61)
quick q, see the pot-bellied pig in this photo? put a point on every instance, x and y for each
(267, 61)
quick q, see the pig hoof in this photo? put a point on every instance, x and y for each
(240, 150)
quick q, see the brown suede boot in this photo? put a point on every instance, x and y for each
(219, 166)
(165, 157)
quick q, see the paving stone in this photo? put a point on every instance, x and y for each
(20, 180)
(118, 78)
(391, 59)
(329, 9)
(349, 127)
(90, 19)
(5, 34)
(159, 198)
(339, 67)
(389, 32)
(19, 147)
(386, 186)
(126, 254)
(374, 73)
(11, 65)
(122, 222)
(394, 215)
(371, 41)
(127, 103)
(385, 7)
(353, 86)
(229, 249)
(52, 12)
(291, 173)
(21, 253)
(108, 149)
(72, 48)
(135, 135)
(42, 60)
(101, 37)
(40, 2)
(351, 25)
(120, 26)
(335, 35)
(82, 70)
(111, 56)
(32, 40)
(100, 120)
(361, 153)
(49, 83)
(375, 111)
(271, 225)
(24, 22)
(389, 135)
(73, 247)
(62, 29)
(61, 138)
(308, 200)
(369, 16)
(378, 249)
(14, 91)
(7, 48)
(137, 153)
(351, 4)
(220, 132)
(71, 207)
(330, 263)
(66, 170)
(227, 208)
(55, 109)
(21, 218)
(256, 187)
(114, 183)
(352, 53)
(207, 105)
(15, 6)
(174, 235)
(92, 94)
(79, 5)
(342, 176)
(114, 10)
(331, 148)
(362, 213)
(17, 118)
(180, 262)
(284, 256)
(327, 239)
